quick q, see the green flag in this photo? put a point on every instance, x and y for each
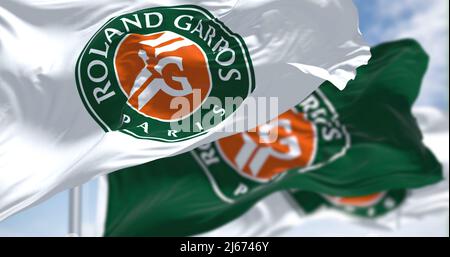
(360, 141)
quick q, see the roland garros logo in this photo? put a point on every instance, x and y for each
(133, 70)
(302, 139)
(242, 162)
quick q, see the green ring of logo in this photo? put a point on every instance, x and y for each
(227, 56)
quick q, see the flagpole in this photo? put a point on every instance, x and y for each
(75, 211)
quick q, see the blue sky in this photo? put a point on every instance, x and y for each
(380, 20)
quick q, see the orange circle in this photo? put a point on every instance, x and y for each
(264, 160)
(159, 73)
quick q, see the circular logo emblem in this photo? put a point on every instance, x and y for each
(303, 139)
(150, 73)
(280, 145)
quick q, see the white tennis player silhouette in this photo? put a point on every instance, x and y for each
(154, 84)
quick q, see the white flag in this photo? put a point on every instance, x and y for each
(90, 87)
